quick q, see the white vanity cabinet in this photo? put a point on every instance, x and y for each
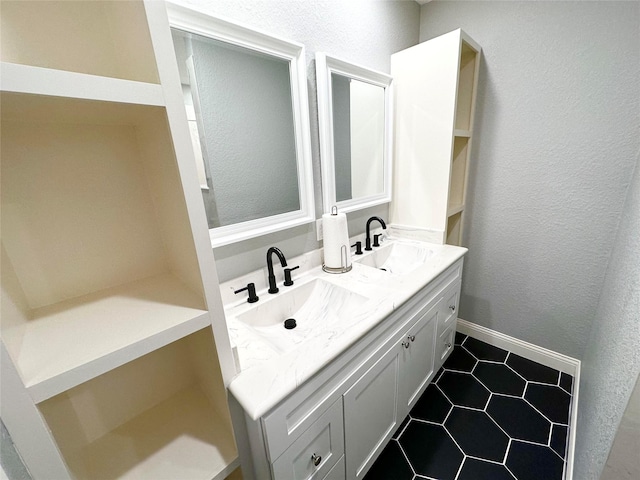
(447, 321)
(343, 417)
(379, 400)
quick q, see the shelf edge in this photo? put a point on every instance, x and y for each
(454, 209)
(462, 133)
(27, 79)
(52, 386)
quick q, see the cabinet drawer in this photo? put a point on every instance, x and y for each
(445, 343)
(337, 472)
(450, 307)
(321, 443)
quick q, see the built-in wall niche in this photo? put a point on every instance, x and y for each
(246, 98)
(454, 229)
(98, 262)
(458, 175)
(170, 423)
(113, 337)
(103, 38)
(466, 86)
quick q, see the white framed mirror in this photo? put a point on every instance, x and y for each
(355, 113)
(246, 99)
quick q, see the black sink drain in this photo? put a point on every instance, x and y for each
(290, 323)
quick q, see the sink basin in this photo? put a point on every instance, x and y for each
(397, 258)
(315, 306)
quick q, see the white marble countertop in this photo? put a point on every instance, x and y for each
(267, 375)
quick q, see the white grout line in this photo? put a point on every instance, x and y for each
(506, 453)
(514, 371)
(567, 466)
(464, 459)
(406, 458)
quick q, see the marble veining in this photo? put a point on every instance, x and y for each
(334, 311)
(397, 258)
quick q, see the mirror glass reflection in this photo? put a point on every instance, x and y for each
(358, 137)
(356, 134)
(240, 112)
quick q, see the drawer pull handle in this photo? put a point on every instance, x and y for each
(405, 344)
(412, 338)
(316, 459)
(452, 308)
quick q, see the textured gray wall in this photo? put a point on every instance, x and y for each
(555, 141)
(623, 462)
(366, 32)
(611, 363)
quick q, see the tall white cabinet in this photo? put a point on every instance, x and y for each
(115, 354)
(435, 94)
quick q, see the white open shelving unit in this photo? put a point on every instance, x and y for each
(436, 83)
(115, 355)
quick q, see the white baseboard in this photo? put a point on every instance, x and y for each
(540, 355)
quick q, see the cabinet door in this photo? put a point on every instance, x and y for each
(418, 351)
(370, 413)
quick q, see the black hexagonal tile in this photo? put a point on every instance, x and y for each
(552, 401)
(437, 376)
(477, 434)
(533, 462)
(463, 389)
(460, 360)
(432, 406)
(476, 469)
(559, 439)
(519, 419)
(484, 351)
(499, 378)
(532, 371)
(390, 464)
(566, 382)
(431, 451)
(460, 337)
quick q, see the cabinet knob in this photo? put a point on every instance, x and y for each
(412, 338)
(405, 344)
(452, 308)
(449, 345)
(316, 459)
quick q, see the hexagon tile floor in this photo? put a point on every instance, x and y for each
(489, 415)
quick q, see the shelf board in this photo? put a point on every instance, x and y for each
(27, 79)
(182, 437)
(68, 343)
(462, 133)
(454, 209)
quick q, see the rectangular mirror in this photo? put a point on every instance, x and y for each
(356, 132)
(245, 95)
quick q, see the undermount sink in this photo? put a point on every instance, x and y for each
(397, 258)
(315, 306)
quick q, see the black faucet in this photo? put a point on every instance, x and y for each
(368, 239)
(272, 278)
